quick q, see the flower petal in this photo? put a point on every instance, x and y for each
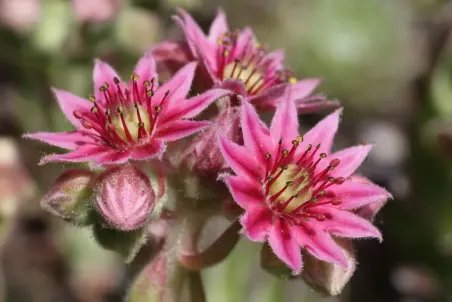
(285, 121)
(323, 133)
(146, 70)
(256, 135)
(245, 40)
(315, 103)
(189, 108)
(171, 55)
(240, 160)
(179, 129)
(320, 245)
(274, 61)
(269, 98)
(69, 103)
(149, 150)
(195, 37)
(350, 160)
(304, 88)
(357, 194)
(177, 87)
(103, 73)
(235, 86)
(346, 224)
(82, 154)
(67, 140)
(283, 242)
(219, 26)
(256, 223)
(245, 193)
(118, 157)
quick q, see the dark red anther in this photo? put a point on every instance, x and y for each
(335, 162)
(320, 217)
(339, 180)
(336, 201)
(77, 114)
(87, 124)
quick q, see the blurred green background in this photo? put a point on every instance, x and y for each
(388, 61)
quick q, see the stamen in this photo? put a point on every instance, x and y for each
(274, 197)
(124, 125)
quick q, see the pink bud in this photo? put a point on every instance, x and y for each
(327, 277)
(124, 197)
(70, 195)
(203, 155)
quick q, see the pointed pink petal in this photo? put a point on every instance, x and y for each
(320, 245)
(255, 134)
(256, 223)
(189, 108)
(284, 244)
(146, 70)
(285, 121)
(269, 98)
(84, 153)
(178, 86)
(219, 26)
(196, 39)
(370, 210)
(69, 103)
(179, 129)
(150, 150)
(315, 103)
(118, 157)
(350, 160)
(323, 133)
(245, 193)
(274, 61)
(170, 56)
(67, 140)
(103, 73)
(235, 86)
(240, 159)
(304, 88)
(346, 224)
(245, 40)
(357, 194)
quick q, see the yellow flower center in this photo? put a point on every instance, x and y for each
(126, 120)
(295, 186)
(248, 74)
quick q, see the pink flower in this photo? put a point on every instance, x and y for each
(128, 121)
(235, 60)
(294, 191)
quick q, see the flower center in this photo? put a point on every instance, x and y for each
(294, 185)
(125, 116)
(248, 74)
(249, 64)
(298, 184)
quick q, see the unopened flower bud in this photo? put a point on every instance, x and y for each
(124, 197)
(326, 277)
(69, 197)
(203, 155)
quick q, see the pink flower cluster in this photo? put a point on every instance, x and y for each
(294, 191)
